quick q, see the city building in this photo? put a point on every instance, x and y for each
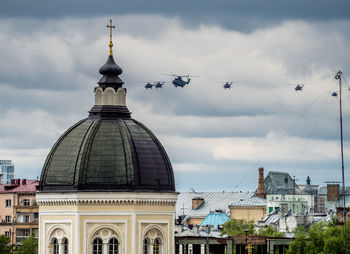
(7, 171)
(107, 185)
(333, 197)
(193, 207)
(281, 189)
(19, 209)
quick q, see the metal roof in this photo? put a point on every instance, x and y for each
(280, 183)
(105, 154)
(323, 190)
(215, 201)
(215, 219)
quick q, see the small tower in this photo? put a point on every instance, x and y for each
(110, 94)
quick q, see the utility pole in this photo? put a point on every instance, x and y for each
(338, 77)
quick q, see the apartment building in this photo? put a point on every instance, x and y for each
(19, 213)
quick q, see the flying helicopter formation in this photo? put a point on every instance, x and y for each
(156, 84)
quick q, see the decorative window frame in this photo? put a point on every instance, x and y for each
(152, 232)
(60, 232)
(105, 232)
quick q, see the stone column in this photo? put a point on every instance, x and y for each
(105, 248)
(60, 247)
(202, 248)
(180, 248)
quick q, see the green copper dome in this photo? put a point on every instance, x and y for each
(107, 154)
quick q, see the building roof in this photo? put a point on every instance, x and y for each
(215, 219)
(214, 201)
(20, 186)
(323, 190)
(118, 154)
(280, 183)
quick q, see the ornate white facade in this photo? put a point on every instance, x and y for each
(106, 223)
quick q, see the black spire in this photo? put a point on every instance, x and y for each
(110, 71)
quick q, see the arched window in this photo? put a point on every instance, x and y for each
(55, 246)
(97, 246)
(65, 246)
(156, 246)
(113, 246)
(145, 246)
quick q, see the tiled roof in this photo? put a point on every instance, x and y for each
(29, 186)
(214, 201)
(215, 219)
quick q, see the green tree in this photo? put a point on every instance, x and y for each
(320, 238)
(237, 227)
(270, 232)
(28, 246)
(5, 247)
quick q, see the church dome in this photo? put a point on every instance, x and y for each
(108, 151)
(107, 154)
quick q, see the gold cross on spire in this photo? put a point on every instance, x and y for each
(110, 26)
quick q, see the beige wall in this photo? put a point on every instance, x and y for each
(248, 212)
(195, 221)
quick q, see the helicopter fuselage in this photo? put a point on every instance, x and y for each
(178, 81)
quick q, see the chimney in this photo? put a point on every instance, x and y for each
(13, 181)
(332, 192)
(260, 192)
(24, 181)
(197, 202)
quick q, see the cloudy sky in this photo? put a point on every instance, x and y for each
(50, 52)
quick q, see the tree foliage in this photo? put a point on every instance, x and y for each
(321, 238)
(270, 232)
(5, 247)
(27, 246)
(237, 227)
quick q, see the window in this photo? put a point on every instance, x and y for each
(55, 246)
(26, 233)
(270, 209)
(65, 246)
(26, 218)
(26, 202)
(8, 219)
(156, 244)
(97, 246)
(8, 202)
(8, 233)
(113, 246)
(145, 246)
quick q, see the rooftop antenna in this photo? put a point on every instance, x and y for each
(338, 76)
(294, 184)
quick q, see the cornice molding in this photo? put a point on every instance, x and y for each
(167, 199)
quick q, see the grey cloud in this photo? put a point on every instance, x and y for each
(232, 14)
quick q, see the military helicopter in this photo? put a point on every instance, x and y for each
(159, 84)
(299, 87)
(227, 84)
(178, 81)
(149, 85)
